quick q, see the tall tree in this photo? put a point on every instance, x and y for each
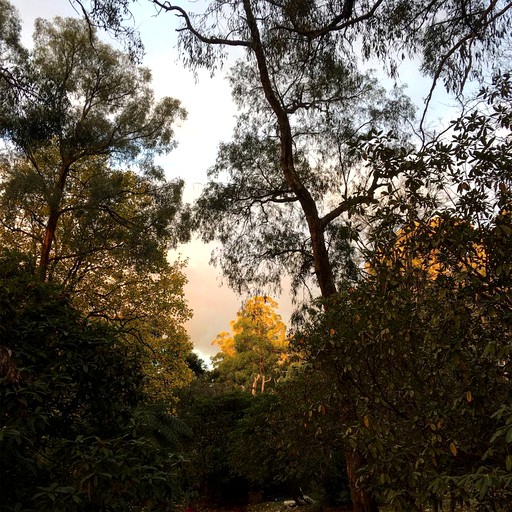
(91, 106)
(80, 190)
(299, 71)
(110, 252)
(256, 353)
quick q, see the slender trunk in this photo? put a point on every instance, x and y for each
(46, 247)
(264, 380)
(361, 500)
(51, 225)
(254, 384)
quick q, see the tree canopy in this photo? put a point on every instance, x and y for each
(422, 345)
(88, 105)
(256, 353)
(81, 192)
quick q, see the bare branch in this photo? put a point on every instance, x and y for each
(469, 38)
(181, 13)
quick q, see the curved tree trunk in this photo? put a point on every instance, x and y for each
(362, 501)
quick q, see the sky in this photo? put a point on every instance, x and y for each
(210, 120)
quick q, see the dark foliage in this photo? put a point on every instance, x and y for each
(68, 392)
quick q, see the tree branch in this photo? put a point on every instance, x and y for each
(350, 202)
(181, 13)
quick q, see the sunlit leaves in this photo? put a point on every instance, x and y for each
(255, 354)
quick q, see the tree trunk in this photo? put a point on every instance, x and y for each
(254, 384)
(46, 247)
(264, 380)
(362, 501)
(51, 225)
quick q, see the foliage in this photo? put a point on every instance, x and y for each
(452, 39)
(256, 354)
(71, 392)
(99, 228)
(212, 414)
(272, 443)
(11, 55)
(422, 345)
(93, 110)
(286, 447)
(196, 364)
(303, 100)
(246, 186)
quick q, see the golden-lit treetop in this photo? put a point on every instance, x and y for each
(256, 349)
(435, 246)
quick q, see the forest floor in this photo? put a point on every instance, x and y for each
(273, 506)
(279, 506)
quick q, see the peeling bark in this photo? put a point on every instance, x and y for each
(255, 384)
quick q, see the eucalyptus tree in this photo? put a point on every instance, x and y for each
(109, 252)
(81, 192)
(294, 173)
(91, 107)
(256, 353)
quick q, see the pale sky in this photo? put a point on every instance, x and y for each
(210, 121)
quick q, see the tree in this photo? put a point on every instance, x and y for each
(301, 69)
(424, 351)
(256, 353)
(212, 415)
(72, 433)
(426, 361)
(112, 232)
(72, 196)
(283, 445)
(92, 108)
(299, 75)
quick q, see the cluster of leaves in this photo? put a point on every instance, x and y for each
(421, 347)
(73, 432)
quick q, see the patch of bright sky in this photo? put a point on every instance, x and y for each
(210, 120)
